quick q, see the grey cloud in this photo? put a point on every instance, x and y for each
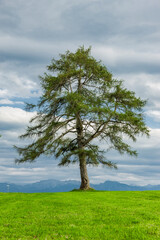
(142, 170)
(88, 22)
(129, 174)
(128, 60)
(39, 35)
(134, 175)
(146, 86)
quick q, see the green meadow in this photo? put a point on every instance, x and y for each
(80, 215)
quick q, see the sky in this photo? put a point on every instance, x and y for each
(124, 34)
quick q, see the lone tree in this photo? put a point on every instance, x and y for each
(81, 102)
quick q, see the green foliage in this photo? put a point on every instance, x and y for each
(81, 101)
(80, 215)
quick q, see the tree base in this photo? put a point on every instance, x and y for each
(87, 189)
(84, 190)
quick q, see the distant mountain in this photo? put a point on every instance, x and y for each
(42, 186)
(116, 186)
(65, 186)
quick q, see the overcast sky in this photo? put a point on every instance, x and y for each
(124, 34)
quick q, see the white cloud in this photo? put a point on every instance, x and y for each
(9, 102)
(14, 118)
(154, 114)
(13, 85)
(3, 92)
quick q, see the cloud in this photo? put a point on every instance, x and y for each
(141, 170)
(128, 175)
(125, 35)
(27, 33)
(11, 118)
(154, 114)
(13, 85)
(9, 102)
(147, 87)
(128, 60)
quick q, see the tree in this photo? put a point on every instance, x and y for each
(81, 102)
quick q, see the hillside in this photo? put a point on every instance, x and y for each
(80, 215)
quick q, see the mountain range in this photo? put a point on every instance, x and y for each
(65, 186)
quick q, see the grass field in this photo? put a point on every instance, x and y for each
(80, 215)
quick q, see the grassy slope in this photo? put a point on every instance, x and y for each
(80, 215)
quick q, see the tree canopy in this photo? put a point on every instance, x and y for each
(81, 102)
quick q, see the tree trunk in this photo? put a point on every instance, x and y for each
(84, 175)
(82, 158)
